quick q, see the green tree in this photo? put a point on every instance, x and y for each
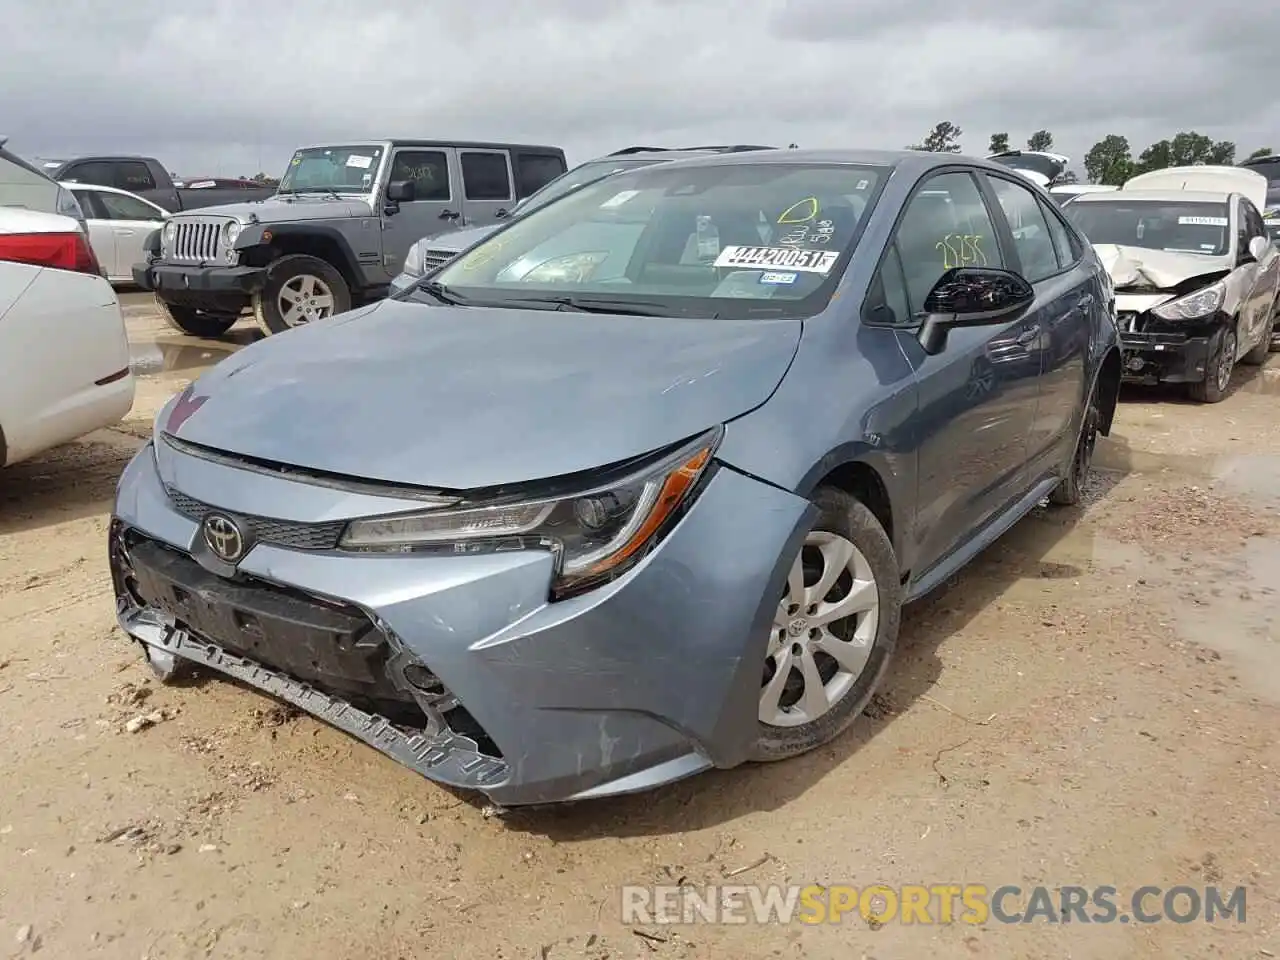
(999, 143)
(1109, 161)
(943, 138)
(1068, 176)
(1261, 152)
(1185, 150)
(1040, 140)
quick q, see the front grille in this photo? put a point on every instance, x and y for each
(437, 258)
(279, 533)
(1129, 321)
(196, 239)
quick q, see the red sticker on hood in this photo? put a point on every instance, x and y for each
(187, 404)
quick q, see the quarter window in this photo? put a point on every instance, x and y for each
(429, 171)
(945, 225)
(1030, 230)
(484, 176)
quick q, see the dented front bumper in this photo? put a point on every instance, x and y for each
(459, 666)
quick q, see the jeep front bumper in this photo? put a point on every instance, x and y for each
(207, 288)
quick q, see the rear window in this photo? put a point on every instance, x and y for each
(22, 185)
(1154, 224)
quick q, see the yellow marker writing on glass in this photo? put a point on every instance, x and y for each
(801, 212)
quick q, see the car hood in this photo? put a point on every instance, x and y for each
(458, 398)
(1161, 269)
(458, 240)
(287, 209)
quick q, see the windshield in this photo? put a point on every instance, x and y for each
(326, 169)
(578, 176)
(742, 240)
(1154, 224)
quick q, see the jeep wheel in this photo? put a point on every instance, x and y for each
(197, 323)
(299, 289)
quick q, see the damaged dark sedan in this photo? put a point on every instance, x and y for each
(638, 485)
(1196, 279)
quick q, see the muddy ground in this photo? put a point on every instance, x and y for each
(1094, 701)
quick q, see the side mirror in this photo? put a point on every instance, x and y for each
(1258, 248)
(400, 191)
(971, 297)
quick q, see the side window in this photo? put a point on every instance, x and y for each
(535, 170)
(1063, 243)
(133, 175)
(429, 171)
(1242, 228)
(97, 172)
(89, 206)
(119, 207)
(945, 225)
(484, 176)
(1256, 227)
(1030, 230)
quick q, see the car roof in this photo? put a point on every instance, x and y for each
(73, 185)
(910, 161)
(407, 142)
(1159, 196)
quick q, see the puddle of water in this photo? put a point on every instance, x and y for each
(166, 356)
(1266, 382)
(1252, 475)
(1051, 552)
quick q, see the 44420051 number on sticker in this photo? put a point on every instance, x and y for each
(786, 258)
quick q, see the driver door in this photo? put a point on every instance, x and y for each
(436, 207)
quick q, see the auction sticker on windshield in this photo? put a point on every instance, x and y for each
(618, 199)
(783, 258)
(1202, 221)
(362, 163)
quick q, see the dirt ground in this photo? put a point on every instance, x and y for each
(1096, 700)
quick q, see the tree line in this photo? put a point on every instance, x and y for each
(1110, 160)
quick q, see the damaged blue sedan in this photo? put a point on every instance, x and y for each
(637, 486)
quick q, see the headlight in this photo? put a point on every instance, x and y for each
(575, 268)
(414, 262)
(594, 534)
(1194, 305)
(230, 234)
(166, 236)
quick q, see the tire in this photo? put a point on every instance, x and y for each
(842, 517)
(291, 278)
(195, 322)
(1070, 491)
(1218, 375)
(1262, 349)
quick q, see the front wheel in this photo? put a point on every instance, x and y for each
(196, 323)
(833, 632)
(299, 289)
(1218, 375)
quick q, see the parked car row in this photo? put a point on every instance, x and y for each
(685, 414)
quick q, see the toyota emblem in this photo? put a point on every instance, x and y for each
(223, 537)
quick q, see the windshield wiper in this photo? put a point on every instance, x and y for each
(439, 292)
(626, 308)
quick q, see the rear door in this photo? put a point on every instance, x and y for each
(131, 221)
(436, 207)
(487, 188)
(1056, 342)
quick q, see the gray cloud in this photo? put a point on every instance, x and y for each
(235, 86)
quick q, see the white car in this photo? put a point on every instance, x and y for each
(119, 223)
(1065, 191)
(64, 356)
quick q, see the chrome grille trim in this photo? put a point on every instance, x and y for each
(437, 258)
(278, 533)
(197, 239)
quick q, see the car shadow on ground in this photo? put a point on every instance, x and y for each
(70, 482)
(721, 796)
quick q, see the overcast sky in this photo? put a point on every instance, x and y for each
(232, 87)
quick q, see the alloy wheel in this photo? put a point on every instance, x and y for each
(822, 634)
(1226, 361)
(304, 298)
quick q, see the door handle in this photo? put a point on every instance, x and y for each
(1085, 302)
(449, 215)
(124, 233)
(1027, 335)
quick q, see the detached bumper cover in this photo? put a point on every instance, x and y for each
(1169, 355)
(646, 680)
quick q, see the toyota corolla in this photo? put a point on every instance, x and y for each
(639, 485)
